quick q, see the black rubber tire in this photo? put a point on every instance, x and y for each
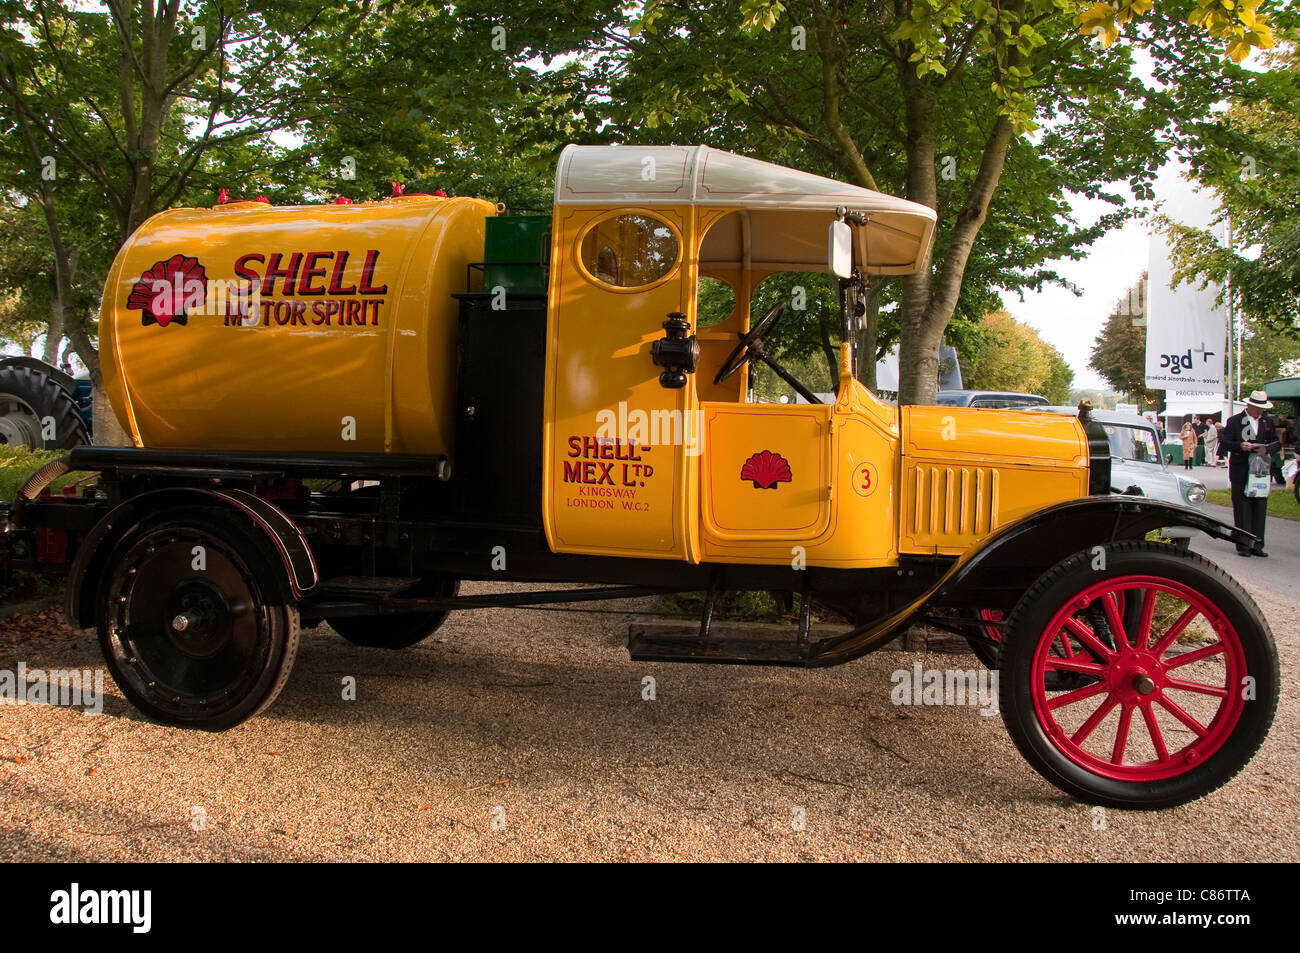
(232, 665)
(985, 650)
(395, 631)
(28, 391)
(1062, 583)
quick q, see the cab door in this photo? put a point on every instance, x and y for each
(765, 472)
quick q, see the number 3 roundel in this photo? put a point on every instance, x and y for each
(865, 479)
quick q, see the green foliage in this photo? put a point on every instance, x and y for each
(16, 465)
(1267, 353)
(1007, 354)
(1119, 352)
(1251, 158)
(1281, 502)
(932, 100)
(111, 116)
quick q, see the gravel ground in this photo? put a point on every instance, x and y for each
(519, 735)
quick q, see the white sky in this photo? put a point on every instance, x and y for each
(1115, 262)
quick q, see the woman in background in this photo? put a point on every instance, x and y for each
(1188, 437)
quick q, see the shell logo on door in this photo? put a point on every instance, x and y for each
(766, 470)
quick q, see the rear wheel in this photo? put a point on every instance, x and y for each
(396, 631)
(36, 412)
(196, 628)
(1171, 698)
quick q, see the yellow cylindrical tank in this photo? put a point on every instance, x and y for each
(325, 328)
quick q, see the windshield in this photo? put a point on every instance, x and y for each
(1133, 443)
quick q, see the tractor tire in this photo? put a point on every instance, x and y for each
(36, 411)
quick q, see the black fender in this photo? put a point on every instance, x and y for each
(1016, 555)
(1047, 536)
(286, 537)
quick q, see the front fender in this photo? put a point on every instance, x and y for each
(1042, 539)
(996, 573)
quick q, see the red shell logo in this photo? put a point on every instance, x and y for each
(766, 469)
(168, 290)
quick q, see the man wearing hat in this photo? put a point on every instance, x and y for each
(1249, 432)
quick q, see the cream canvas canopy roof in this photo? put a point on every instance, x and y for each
(784, 212)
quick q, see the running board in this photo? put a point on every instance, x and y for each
(649, 642)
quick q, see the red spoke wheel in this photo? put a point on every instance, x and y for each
(195, 624)
(1175, 676)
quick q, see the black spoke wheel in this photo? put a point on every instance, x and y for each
(398, 631)
(196, 629)
(1180, 672)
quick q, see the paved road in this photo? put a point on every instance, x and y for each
(1281, 541)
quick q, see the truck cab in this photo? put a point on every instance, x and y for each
(682, 464)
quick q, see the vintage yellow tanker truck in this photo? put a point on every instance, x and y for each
(339, 412)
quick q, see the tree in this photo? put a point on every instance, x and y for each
(1251, 158)
(1119, 353)
(127, 105)
(933, 100)
(1267, 353)
(115, 115)
(1008, 354)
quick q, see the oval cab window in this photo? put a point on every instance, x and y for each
(629, 251)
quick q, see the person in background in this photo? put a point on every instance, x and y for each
(1188, 436)
(1247, 434)
(1222, 452)
(1200, 426)
(1211, 443)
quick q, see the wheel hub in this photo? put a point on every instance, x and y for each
(1135, 676)
(199, 614)
(19, 426)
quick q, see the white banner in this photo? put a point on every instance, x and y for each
(1186, 333)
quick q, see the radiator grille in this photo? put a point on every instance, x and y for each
(954, 501)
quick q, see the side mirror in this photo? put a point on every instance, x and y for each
(840, 250)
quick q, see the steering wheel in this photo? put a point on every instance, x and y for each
(751, 344)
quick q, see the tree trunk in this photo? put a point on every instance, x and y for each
(108, 430)
(918, 346)
(53, 332)
(869, 334)
(828, 350)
